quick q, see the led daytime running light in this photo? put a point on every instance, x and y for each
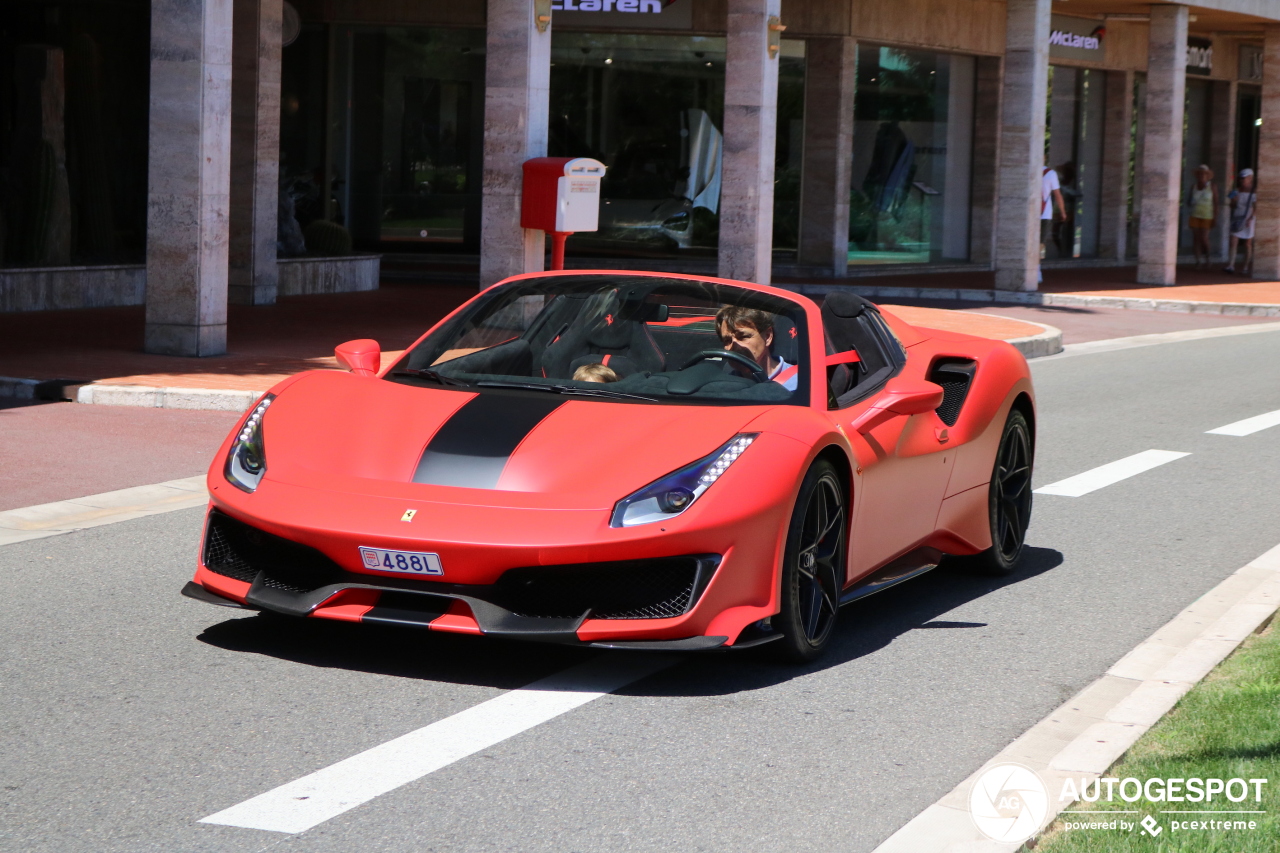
(676, 492)
(247, 462)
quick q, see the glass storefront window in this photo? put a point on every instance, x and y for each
(1073, 148)
(912, 157)
(74, 129)
(406, 136)
(651, 108)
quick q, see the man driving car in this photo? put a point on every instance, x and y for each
(749, 332)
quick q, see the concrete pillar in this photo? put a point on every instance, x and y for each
(516, 106)
(1222, 154)
(1266, 247)
(189, 177)
(831, 65)
(1162, 146)
(988, 79)
(750, 127)
(1117, 136)
(1026, 83)
(255, 151)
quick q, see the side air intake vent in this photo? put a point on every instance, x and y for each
(955, 375)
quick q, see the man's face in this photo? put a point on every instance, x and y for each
(1246, 183)
(747, 340)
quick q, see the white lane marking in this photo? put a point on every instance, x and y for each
(1248, 426)
(299, 805)
(1112, 472)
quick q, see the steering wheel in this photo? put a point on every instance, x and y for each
(757, 372)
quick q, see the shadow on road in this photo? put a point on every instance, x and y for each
(866, 626)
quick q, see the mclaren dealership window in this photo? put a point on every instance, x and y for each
(912, 157)
(651, 108)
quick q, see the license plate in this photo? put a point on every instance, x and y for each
(401, 562)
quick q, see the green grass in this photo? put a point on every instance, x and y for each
(1227, 727)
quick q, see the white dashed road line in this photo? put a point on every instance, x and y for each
(1112, 472)
(299, 805)
(1248, 426)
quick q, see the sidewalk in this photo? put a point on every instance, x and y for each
(1205, 292)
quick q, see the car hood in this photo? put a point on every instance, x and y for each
(355, 435)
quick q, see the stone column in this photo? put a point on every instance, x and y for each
(1222, 154)
(189, 177)
(1266, 247)
(750, 128)
(255, 151)
(516, 104)
(1117, 134)
(1162, 146)
(986, 159)
(830, 68)
(1026, 84)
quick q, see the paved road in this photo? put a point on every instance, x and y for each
(128, 714)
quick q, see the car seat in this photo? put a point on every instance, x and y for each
(847, 327)
(610, 333)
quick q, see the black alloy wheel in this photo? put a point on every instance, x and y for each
(813, 569)
(1009, 501)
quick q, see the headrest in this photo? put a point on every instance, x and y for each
(846, 305)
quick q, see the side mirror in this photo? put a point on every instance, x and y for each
(912, 396)
(900, 397)
(363, 357)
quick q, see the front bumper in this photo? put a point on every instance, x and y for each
(619, 604)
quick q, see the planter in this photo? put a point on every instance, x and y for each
(61, 288)
(344, 274)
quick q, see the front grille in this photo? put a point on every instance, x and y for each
(954, 376)
(238, 550)
(641, 589)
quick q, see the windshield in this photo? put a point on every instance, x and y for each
(620, 337)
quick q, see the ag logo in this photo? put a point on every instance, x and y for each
(1008, 803)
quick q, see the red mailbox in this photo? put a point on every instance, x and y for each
(561, 196)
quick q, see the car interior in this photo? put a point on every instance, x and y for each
(658, 336)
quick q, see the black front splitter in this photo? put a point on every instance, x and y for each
(419, 610)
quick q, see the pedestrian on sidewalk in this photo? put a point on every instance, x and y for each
(1052, 209)
(1244, 202)
(1203, 201)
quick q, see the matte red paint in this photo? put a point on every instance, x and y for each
(341, 451)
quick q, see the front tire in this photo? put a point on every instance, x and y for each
(813, 566)
(1009, 499)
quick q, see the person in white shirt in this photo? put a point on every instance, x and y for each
(749, 332)
(1051, 204)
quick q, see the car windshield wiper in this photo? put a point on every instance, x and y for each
(566, 389)
(432, 375)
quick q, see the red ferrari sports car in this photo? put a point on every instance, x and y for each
(625, 460)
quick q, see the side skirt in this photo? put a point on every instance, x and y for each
(909, 565)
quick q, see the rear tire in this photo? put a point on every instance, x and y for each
(813, 566)
(1009, 498)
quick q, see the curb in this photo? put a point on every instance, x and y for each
(205, 399)
(1182, 306)
(54, 519)
(1048, 342)
(1092, 730)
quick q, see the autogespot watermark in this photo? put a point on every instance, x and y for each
(1009, 803)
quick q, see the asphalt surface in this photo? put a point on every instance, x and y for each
(128, 713)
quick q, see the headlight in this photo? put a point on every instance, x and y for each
(247, 461)
(677, 491)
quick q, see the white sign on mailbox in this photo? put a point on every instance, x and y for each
(578, 196)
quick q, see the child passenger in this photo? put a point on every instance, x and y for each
(594, 373)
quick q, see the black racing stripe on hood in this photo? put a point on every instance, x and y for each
(472, 447)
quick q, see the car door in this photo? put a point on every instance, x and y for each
(903, 460)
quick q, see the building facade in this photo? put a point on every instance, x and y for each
(190, 154)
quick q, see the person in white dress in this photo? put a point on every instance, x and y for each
(1244, 203)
